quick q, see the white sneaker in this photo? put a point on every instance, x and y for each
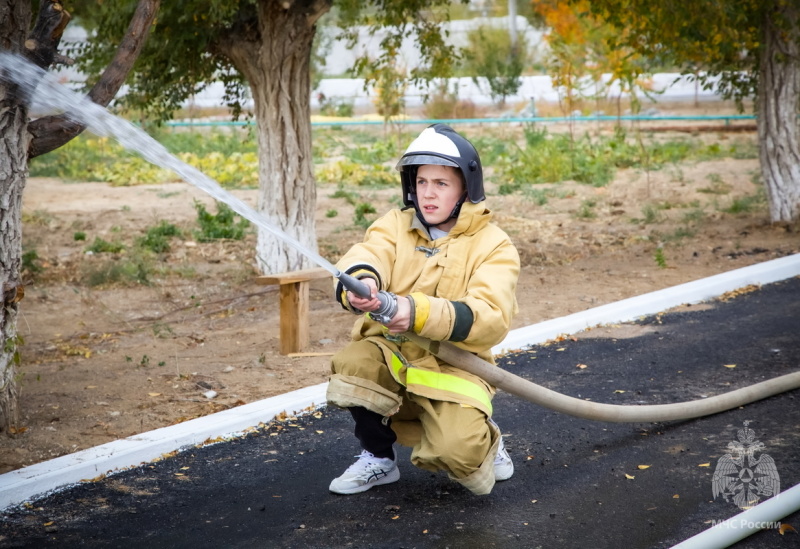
(365, 473)
(503, 466)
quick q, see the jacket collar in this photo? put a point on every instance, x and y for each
(471, 219)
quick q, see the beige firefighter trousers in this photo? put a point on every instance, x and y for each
(443, 435)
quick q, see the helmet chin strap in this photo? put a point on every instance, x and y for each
(453, 214)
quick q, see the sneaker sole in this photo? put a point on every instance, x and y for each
(393, 476)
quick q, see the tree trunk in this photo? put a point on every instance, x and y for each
(14, 22)
(13, 175)
(778, 100)
(275, 60)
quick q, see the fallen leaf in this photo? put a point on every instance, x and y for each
(786, 528)
(154, 394)
(91, 386)
(676, 496)
(534, 500)
(395, 517)
(619, 391)
(320, 432)
(629, 477)
(730, 365)
(561, 349)
(582, 366)
(425, 531)
(704, 465)
(51, 523)
(642, 467)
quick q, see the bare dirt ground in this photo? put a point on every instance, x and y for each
(105, 362)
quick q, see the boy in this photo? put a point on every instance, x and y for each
(454, 274)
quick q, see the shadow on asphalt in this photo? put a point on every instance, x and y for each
(578, 483)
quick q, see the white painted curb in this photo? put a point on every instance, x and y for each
(24, 484)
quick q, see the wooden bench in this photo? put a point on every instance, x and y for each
(294, 334)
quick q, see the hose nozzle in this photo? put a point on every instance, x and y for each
(388, 300)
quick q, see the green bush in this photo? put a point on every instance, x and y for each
(156, 239)
(225, 224)
(101, 246)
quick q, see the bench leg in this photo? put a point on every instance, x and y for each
(294, 317)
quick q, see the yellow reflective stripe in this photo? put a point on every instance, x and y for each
(422, 310)
(396, 366)
(450, 383)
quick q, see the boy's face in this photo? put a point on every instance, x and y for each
(439, 189)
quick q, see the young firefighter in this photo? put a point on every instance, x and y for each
(454, 274)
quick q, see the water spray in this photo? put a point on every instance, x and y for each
(43, 88)
(47, 93)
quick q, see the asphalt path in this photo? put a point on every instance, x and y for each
(578, 483)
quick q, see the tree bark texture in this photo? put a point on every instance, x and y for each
(778, 100)
(273, 52)
(15, 17)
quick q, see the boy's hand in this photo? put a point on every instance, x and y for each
(401, 321)
(366, 304)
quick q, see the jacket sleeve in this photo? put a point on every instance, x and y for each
(482, 317)
(374, 257)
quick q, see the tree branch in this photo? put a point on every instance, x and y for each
(51, 132)
(42, 43)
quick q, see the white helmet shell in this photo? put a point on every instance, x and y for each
(440, 144)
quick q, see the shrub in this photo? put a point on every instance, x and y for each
(221, 225)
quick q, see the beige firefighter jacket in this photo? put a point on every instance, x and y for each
(475, 265)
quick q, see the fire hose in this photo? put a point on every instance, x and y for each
(532, 392)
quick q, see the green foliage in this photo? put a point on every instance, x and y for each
(11, 346)
(134, 268)
(225, 224)
(490, 56)
(389, 88)
(30, 262)
(337, 107)
(540, 197)
(661, 259)
(586, 210)
(551, 158)
(376, 152)
(193, 40)
(397, 21)
(79, 236)
(102, 246)
(707, 39)
(156, 239)
(227, 158)
(360, 215)
(356, 174)
(747, 204)
(650, 215)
